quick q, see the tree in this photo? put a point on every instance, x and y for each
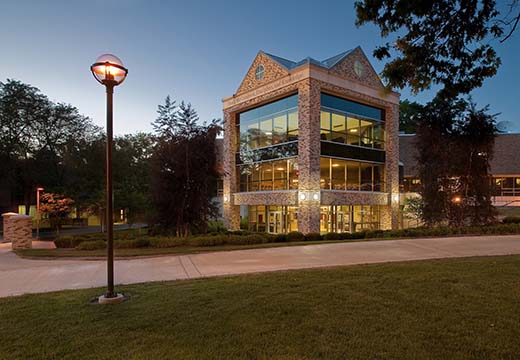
(475, 138)
(36, 136)
(408, 113)
(455, 143)
(132, 154)
(57, 207)
(442, 42)
(183, 169)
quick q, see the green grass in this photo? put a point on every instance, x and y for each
(443, 309)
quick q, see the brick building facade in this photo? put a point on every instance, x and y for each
(311, 146)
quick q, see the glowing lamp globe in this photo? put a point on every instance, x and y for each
(108, 69)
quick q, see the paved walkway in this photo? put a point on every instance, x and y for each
(19, 276)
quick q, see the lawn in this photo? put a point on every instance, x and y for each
(443, 309)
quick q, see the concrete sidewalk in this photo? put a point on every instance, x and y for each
(19, 276)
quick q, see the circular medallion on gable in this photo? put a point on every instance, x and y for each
(359, 69)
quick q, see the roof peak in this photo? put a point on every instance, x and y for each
(327, 63)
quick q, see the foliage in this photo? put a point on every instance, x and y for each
(183, 169)
(455, 142)
(131, 161)
(408, 114)
(511, 220)
(313, 237)
(92, 245)
(57, 207)
(131, 240)
(216, 227)
(295, 236)
(443, 42)
(413, 208)
(36, 136)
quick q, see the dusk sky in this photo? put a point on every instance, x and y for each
(197, 51)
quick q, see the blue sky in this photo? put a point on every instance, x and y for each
(197, 51)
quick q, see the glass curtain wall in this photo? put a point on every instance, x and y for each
(348, 122)
(339, 174)
(273, 219)
(268, 125)
(269, 175)
(349, 218)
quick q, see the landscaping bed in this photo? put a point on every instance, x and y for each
(440, 309)
(139, 242)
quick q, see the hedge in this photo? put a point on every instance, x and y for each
(135, 240)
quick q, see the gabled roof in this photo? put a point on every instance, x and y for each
(504, 160)
(326, 64)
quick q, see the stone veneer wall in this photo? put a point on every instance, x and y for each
(331, 197)
(345, 68)
(309, 90)
(309, 154)
(7, 229)
(272, 71)
(282, 197)
(21, 228)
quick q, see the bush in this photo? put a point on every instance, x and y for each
(216, 227)
(92, 245)
(295, 236)
(69, 242)
(244, 223)
(511, 220)
(333, 236)
(313, 237)
(166, 242)
(279, 238)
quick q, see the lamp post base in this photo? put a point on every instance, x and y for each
(118, 299)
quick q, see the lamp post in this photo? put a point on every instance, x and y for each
(38, 190)
(109, 71)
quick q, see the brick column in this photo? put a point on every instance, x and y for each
(308, 155)
(231, 211)
(390, 213)
(21, 227)
(8, 229)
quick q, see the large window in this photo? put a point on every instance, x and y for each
(269, 125)
(507, 186)
(269, 175)
(351, 123)
(351, 130)
(349, 218)
(338, 174)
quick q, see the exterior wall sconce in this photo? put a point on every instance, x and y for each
(226, 198)
(395, 198)
(309, 196)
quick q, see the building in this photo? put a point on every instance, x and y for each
(311, 146)
(504, 168)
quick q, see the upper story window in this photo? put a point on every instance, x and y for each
(351, 123)
(268, 125)
(259, 72)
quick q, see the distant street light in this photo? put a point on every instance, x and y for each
(109, 71)
(38, 216)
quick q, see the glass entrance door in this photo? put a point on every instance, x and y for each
(275, 225)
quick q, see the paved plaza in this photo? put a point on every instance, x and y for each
(20, 276)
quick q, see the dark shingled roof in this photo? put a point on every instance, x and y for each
(327, 63)
(506, 156)
(505, 160)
